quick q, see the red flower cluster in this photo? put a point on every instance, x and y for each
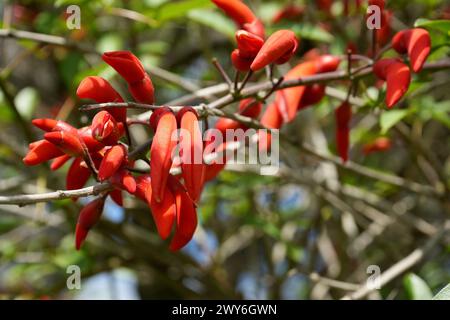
(242, 15)
(416, 43)
(253, 52)
(97, 151)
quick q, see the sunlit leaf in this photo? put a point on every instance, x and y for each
(416, 288)
(26, 102)
(444, 294)
(390, 118)
(214, 20)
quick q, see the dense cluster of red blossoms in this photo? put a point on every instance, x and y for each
(97, 150)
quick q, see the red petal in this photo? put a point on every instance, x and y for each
(59, 162)
(343, 117)
(288, 100)
(193, 168)
(161, 150)
(142, 91)
(117, 196)
(66, 142)
(240, 63)
(250, 108)
(124, 180)
(78, 175)
(53, 125)
(186, 221)
(256, 27)
(42, 151)
(236, 10)
(112, 161)
(99, 90)
(163, 213)
(88, 217)
(279, 48)
(398, 80)
(142, 184)
(86, 136)
(126, 64)
(248, 43)
(313, 94)
(80, 235)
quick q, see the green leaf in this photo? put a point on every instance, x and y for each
(213, 20)
(444, 294)
(312, 32)
(26, 102)
(441, 25)
(155, 3)
(416, 288)
(173, 10)
(391, 118)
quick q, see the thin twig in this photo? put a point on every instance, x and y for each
(25, 199)
(402, 266)
(222, 72)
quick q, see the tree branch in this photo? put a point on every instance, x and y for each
(403, 265)
(22, 200)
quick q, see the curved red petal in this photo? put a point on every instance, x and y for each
(112, 161)
(161, 151)
(193, 168)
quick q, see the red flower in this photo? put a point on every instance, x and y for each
(186, 216)
(397, 76)
(53, 125)
(416, 43)
(192, 165)
(123, 180)
(164, 124)
(343, 117)
(131, 69)
(41, 151)
(67, 142)
(112, 161)
(248, 47)
(59, 162)
(271, 119)
(99, 90)
(379, 3)
(278, 48)
(89, 216)
(313, 94)
(164, 212)
(289, 101)
(78, 174)
(247, 107)
(105, 128)
(241, 15)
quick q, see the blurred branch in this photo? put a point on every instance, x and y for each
(188, 85)
(45, 38)
(403, 265)
(25, 199)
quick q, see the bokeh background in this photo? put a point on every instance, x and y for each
(311, 235)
